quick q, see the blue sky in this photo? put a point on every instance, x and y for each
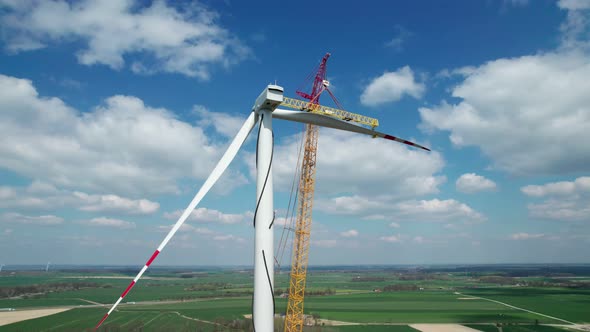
(112, 114)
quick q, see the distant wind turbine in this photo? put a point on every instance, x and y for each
(47, 267)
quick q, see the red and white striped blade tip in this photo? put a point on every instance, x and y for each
(131, 284)
(401, 140)
(102, 320)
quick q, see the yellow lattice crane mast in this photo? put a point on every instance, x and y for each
(294, 318)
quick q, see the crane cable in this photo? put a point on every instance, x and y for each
(288, 226)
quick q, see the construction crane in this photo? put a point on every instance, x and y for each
(294, 318)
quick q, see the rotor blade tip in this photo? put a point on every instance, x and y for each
(101, 321)
(401, 140)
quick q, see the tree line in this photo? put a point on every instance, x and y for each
(6, 292)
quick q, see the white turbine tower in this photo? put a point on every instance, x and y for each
(1, 266)
(47, 267)
(263, 111)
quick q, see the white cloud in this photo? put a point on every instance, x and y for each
(391, 239)
(433, 210)
(391, 87)
(229, 237)
(401, 35)
(187, 228)
(438, 210)
(394, 225)
(284, 222)
(173, 38)
(471, 183)
(212, 216)
(573, 4)
(518, 2)
(565, 200)
(561, 210)
(109, 222)
(526, 123)
(7, 193)
(356, 163)
(225, 124)
(102, 203)
(324, 243)
(41, 195)
(578, 186)
(350, 233)
(419, 239)
(352, 205)
(45, 220)
(575, 30)
(525, 236)
(122, 146)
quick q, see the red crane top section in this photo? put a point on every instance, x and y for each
(320, 84)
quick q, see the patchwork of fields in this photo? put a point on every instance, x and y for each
(219, 300)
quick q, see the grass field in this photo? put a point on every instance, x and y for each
(568, 304)
(85, 319)
(227, 298)
(516, 328)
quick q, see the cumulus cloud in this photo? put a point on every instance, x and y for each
(401, 35)
(226, 124)
(350, 233)
(391, 87)
(392, 239)
(229, 237)
(41, 195)
(528, 114)
(471, 183)
(526, 123)
(102, 203)
(184, 39)
(328, 243)
(564, 200)
(109, 222)
(573, 4)
(419, 239)
(354, 163)
(187, 228)
(575, 32)
(438, 210)
(212, 216)
(433, 210)
(120, 147)
(517, 2)
(44, 220)
(578, 186)
(525, 236)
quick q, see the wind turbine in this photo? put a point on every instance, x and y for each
(263, 111)
(1, 266)
(47, 267)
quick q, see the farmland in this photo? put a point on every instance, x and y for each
(379, 299)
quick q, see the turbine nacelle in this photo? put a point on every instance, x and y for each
(270, 98)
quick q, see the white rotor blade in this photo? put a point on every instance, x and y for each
(222, 165)
(326, 121)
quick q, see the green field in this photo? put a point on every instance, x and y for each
(516, 328)
(568, 304)
(213, 300)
